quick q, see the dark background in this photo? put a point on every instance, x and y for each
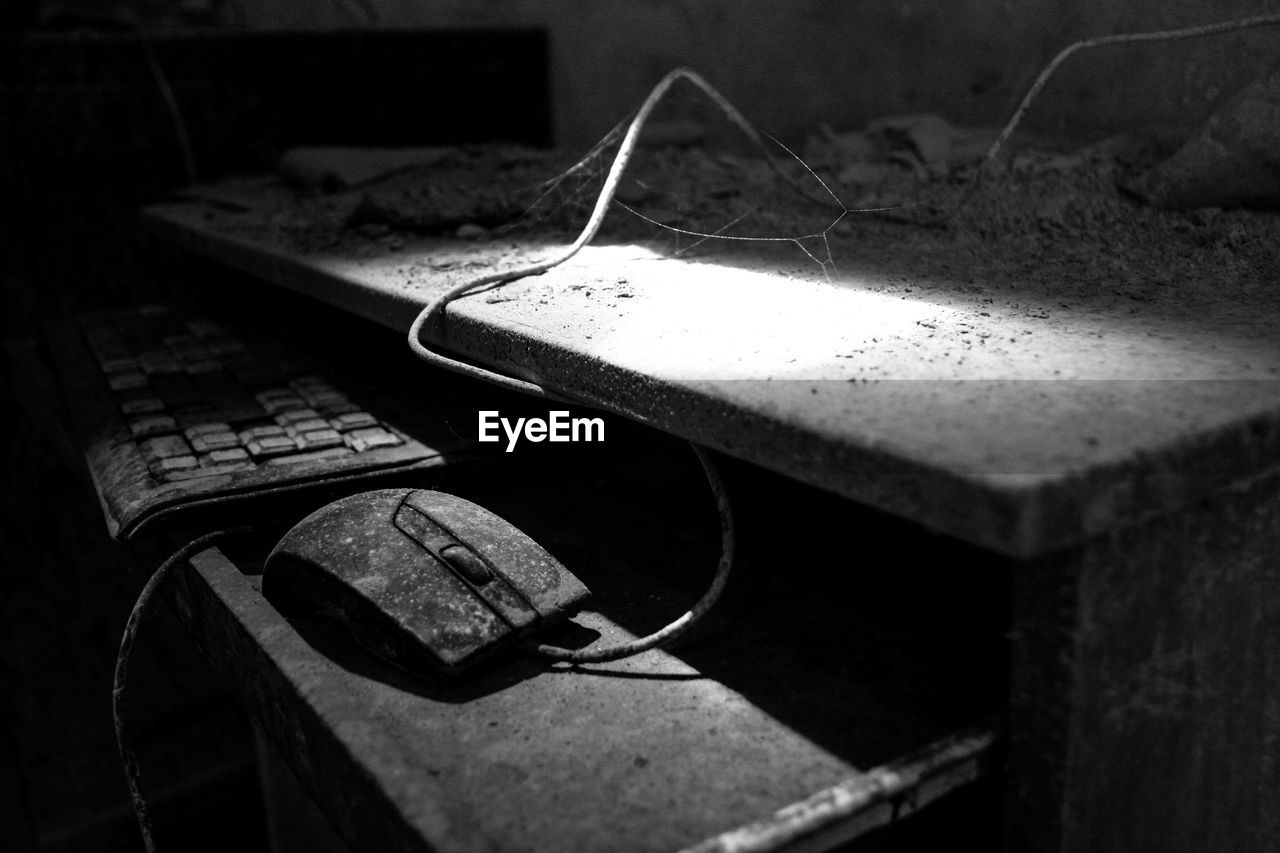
(86, 136)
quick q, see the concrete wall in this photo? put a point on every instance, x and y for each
(792, 63)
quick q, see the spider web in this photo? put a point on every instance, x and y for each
(682, 197)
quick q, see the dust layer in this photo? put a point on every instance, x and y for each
(1049, 218)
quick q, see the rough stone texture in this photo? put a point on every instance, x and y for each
(1144, 698)
(1232, 161)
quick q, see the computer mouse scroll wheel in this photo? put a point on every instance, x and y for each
(466, 563)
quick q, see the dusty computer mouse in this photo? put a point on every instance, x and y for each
(426, 580)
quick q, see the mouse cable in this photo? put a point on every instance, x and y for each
(1269, 19)
(675, 629)
(171, 106)
(436, 307)
(128, 756)
(621, 160)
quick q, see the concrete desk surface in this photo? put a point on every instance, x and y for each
(1006, 407)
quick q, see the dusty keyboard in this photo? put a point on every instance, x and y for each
(189, 413)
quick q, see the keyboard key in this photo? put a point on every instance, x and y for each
(214, 464)
(368, 439)
(353, 420)
(205, 429)
(322, 399)
(214, 441)
(202, 328)
(320, 438)
(277, 405)
(310, 425)
(125, 381)
(165, 468)
(206, 408)
(155, 365)
(333, 409)
(330, 453)
(141, 406)
(152, 425)
(209, 468)
(266, 395)
(264, 431)
(164, 447)
(272, 445)
(294, 416)
(221, 457)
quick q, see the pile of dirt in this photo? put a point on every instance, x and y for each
(1048, 215)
